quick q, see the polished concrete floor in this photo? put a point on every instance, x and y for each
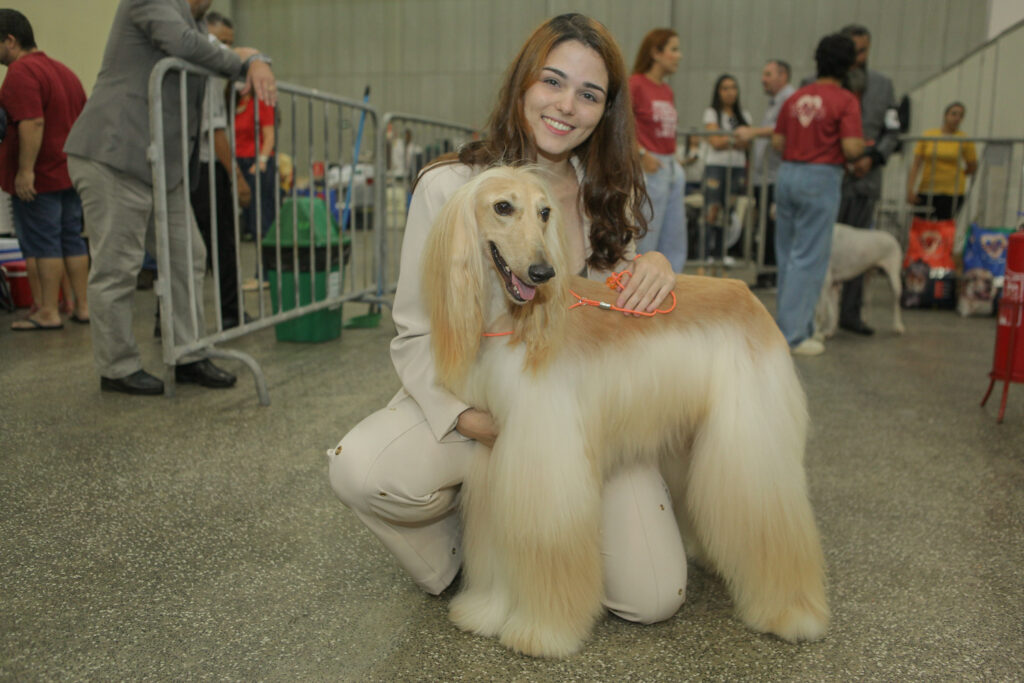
(196, 537)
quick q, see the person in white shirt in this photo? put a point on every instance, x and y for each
(775, 81)
(726, 162)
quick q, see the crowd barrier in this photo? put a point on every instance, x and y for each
(319, 132)
(405, 145)
(993, 194)
(743, 219)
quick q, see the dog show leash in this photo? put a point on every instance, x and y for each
(614, 282)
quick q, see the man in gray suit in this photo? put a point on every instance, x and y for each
(110, 169)
(862, 185)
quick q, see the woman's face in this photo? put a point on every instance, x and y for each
(668, 57)
(565, 104)
(954, 117)
(728, 91)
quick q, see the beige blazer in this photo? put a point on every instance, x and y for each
(410, 349)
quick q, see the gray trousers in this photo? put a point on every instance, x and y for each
(118, 212)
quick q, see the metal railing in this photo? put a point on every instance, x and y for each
(742, 218)
(405, 145)
(992, 196)
(327, 137)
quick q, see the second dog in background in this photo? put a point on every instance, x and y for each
(855, 252)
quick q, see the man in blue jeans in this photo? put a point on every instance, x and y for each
(42, 98)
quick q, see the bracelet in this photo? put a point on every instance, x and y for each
(264, 158)
(258, 57)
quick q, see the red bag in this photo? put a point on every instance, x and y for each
(931, 242)
(928, 269)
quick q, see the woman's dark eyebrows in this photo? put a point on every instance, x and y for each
(562, 74)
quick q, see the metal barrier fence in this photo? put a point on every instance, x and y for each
(738, 223)
(405, 145)
(320, 132)
(991, 196)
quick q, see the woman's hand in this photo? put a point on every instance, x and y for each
(650, 163)
(477, 425)
(650, 284)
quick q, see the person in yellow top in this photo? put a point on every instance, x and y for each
(946, 167)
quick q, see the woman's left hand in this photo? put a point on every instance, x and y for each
(651, 282)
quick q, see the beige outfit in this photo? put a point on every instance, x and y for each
(400, 469)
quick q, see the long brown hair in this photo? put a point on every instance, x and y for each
(656, 40)
(613, 185)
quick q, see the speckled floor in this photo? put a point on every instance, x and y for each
(197, 537)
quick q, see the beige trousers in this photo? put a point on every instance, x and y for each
(404, 485)
(118, 212)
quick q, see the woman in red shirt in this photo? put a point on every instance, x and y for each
(249, 161)
(817, 131)
(655, 112)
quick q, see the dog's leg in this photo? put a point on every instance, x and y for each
(747, 494)
(546, 502)
(891, 264)
(482, 606)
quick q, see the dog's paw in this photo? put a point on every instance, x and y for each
(538, 639)
(798, 622)
(899, 329)
(479, 612)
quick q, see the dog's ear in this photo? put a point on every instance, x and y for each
(453, 284)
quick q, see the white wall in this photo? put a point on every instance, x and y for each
(444, 58)
(1003, 14)
(71, 31)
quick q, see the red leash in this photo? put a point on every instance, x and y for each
(614, 282)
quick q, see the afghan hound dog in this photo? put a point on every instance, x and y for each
(706, 392)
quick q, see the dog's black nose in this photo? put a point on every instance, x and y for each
(541, 272)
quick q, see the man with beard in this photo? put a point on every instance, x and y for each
(862, 185)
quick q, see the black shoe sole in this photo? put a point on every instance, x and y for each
(205, 383)
(114, 385)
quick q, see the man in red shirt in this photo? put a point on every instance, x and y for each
(42, 98)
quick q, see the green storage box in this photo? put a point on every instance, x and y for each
(321, 325)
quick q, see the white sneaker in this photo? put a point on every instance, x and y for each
(808, 347)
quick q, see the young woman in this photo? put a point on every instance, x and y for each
(563, 106)
(256, 155)
(817, 132)
(655, 112)
(726, 163)
(946, 167)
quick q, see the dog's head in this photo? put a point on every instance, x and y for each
(496, 247)
(513, 214)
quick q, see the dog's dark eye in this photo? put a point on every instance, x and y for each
(545, 214)
(503, 208)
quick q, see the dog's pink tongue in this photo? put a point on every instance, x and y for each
(525, 290)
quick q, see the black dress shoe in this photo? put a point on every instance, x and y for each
(858, 327)
(203, 373)
(139, 382)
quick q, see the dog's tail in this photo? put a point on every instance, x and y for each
(747, 493)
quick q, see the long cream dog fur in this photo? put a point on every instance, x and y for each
(708, 392)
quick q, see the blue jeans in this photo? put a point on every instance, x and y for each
(806, 205)
(49, 226)
(666, 224)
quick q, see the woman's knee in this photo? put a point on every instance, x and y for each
(390, 466)
(353, 465)
(648, 602)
